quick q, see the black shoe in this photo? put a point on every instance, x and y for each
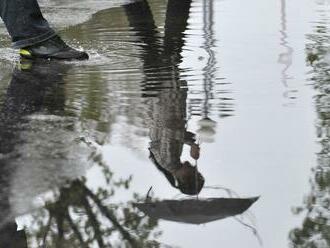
(53, 48)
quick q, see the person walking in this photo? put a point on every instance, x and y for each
(31, 33)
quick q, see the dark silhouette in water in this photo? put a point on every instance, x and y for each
(166, 120)
(167, 97)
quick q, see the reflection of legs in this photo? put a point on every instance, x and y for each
(141, 19)
(176, 23)
(28, 29)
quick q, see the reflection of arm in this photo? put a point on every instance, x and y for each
(189, 138)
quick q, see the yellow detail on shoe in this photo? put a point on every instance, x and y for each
(25, 53)
(24, 65)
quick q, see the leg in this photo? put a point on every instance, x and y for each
(25, 22)
(31, 32)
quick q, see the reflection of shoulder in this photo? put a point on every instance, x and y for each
(152, 157)
(166, 173)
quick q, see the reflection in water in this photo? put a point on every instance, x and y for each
(17, 136)
(79, 217)
(196, 211)
(36, 131)
(31, 90)
(45, 152)
(315, 229)
(166, 114)
(206, 129)
(285, 57)
(72, 217)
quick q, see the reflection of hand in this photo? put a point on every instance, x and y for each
(189, 138)
(194, 151)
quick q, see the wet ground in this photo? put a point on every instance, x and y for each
(93, 154)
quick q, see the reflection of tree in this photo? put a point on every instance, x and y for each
(80, 217)
(315, 229)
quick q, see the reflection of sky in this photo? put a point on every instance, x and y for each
(266, 149)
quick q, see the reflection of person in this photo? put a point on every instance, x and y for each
(167, 114)
(168, 135)
(165, 152)
(31, 32)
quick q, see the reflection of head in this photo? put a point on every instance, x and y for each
(186, 178)
(190, 181)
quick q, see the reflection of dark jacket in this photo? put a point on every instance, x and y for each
(167, 127)
(166, 118)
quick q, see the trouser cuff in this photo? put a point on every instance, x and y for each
(34, 40)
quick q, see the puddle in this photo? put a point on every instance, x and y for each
(192, 123)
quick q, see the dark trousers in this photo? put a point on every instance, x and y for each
(24, 22)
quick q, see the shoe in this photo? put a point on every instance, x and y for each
(53, 48)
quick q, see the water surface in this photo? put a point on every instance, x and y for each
(82, 143)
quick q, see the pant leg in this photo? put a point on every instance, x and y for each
(24, 22)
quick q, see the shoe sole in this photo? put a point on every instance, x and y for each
(27, 55)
